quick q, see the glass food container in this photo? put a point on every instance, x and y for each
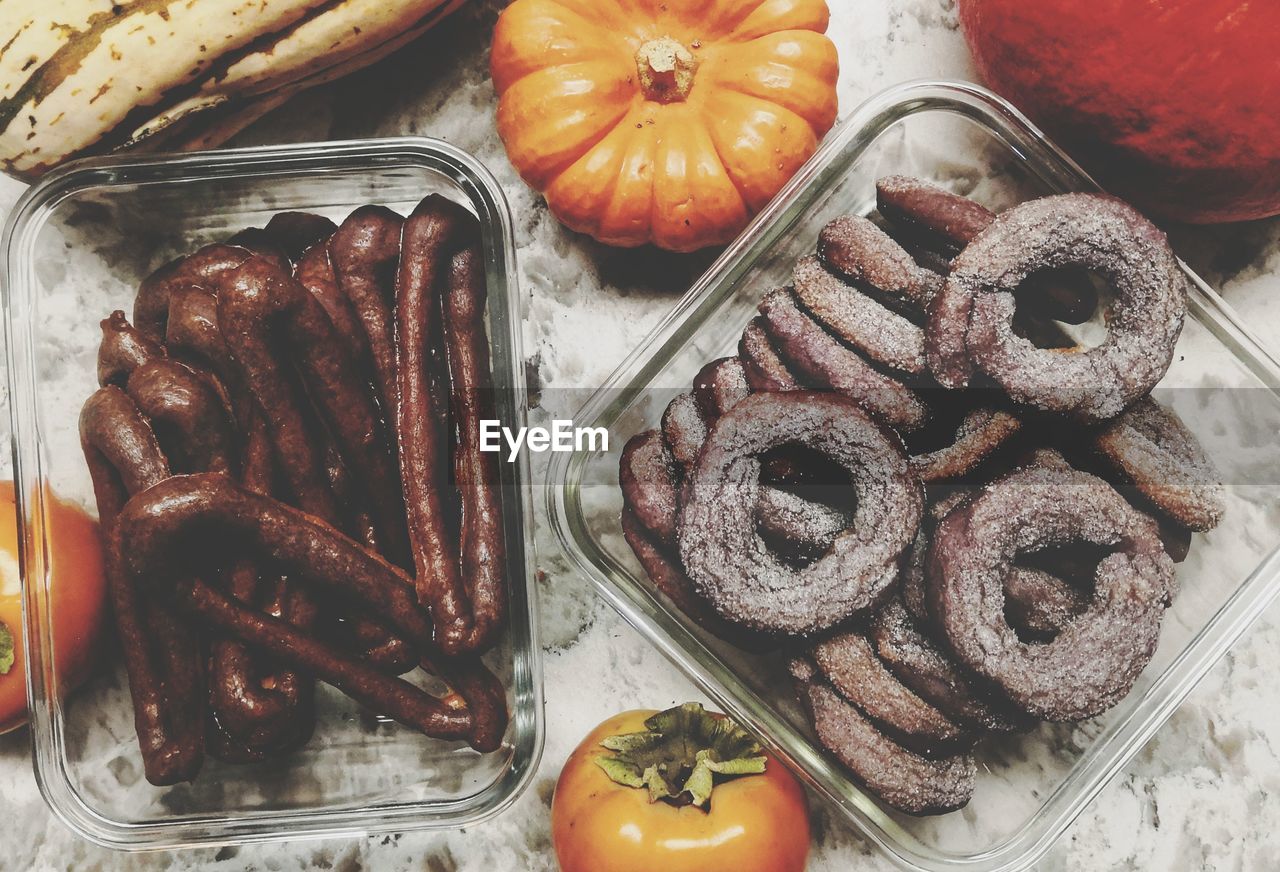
(75, 248)
(1030, 787)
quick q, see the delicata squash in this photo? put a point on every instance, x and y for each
(662, 121)
(87, 76)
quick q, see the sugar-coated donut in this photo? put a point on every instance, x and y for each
(724, 555)
(970, 328)
(1094, 660)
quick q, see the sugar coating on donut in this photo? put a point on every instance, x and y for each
(732, 566)
(824, 362)
(1094, 660)
(849, 663)
(980, 434)
(884, 336)
(719, 386)
(662, 570)
(905, 780)
(1151, 446)
(1039, 604)
(764, 369)
(918, 662)
(650, 484)
(947, 220)
(973, 318)
(857, 249)
(685, 428)
(808, 526)
(649, 477)
(946, 332)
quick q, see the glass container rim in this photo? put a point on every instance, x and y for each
(179, 168)
(1036, 836)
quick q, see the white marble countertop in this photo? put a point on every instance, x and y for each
(1204, 794)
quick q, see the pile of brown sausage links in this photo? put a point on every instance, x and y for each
(285, 455)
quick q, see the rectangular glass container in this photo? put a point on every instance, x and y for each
(75, 248)
(1223, 384)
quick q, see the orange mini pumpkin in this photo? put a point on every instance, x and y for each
(662, 121)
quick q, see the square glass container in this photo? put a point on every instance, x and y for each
(1029, 787)
(75, 248)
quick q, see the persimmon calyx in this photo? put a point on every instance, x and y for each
(666, 69)
(7, 654)
(681, 755)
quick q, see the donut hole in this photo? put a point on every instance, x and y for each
(1074, 562)
(939, 433)
(812, 500)
(1049, 587)
(807, 473)
(1063, 307)
(947, 411)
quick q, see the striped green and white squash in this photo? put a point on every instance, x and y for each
(88, 76)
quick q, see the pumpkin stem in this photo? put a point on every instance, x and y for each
(666, 70)
(681, 755)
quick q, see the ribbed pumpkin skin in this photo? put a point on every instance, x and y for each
(627, 169)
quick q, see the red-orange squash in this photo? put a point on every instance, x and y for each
(658, 121)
